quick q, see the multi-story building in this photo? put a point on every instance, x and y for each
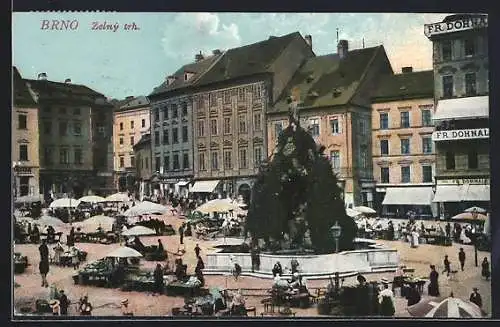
(172, 126)
(229, 109)
(25, 143)
(461, 136)
(333, 94)
(402, 146)
(130, 123)
(142, 154)
(75, 130)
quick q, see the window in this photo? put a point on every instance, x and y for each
(405, 174)
(241, 94)
(427, 145)
(24, 185)
(213, 126)
(157, 137)
(121, 140)
(258, 156)
(132, 161)
(201, 128)
(165, 137)
(121, 126)
(63, 156)
(334, 126)
(175, 112)
(405, 119)
(426, 117)
(184, 109)
(335, 159)
(131, 124)
(215, 160)
(23, 152)
(257, 91)
(227, 97)
(176, 162)
(227, 125)
(175, 135)
(157, 164)
(76, 111)
(243, 124)
(143, 123)
(22, 121)
(362, 127)
(470, 84)
(447, 86)
(146, 163)
(257, 122)
(132, 140)
(384, 174)
(165, 112)
(384, 120)
(405, 146)
(426, 174)
(469, 47)
(201, 102)
(78, 157)
(184, 134)
(472, 159)
(314, 126)
(384, 147)
(278, 127)
(157, 114)
(227, 160)
(47, 127)
(446, 50)
(363, 158)
(185, 161)
(450, 160)
(166, 163)
(63, 128)
(201, 159)
(122, 162)
(213, 99)
(77, 128)
(243, 158)
(47, 155)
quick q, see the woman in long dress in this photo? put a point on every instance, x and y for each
(433, 288)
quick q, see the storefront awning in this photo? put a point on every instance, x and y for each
(204, 186)
(182, 183)
(472, 192)
(448, 193)
(462, 108)
(408, 196)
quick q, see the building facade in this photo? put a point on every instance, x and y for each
(142, 154)
(172, 126)
(333, 97)
(403, 150)
(75, 130)
(229, 112)
(461, 136)
(25, 142)
(130, 123)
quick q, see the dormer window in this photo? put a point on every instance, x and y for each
(187, 76)
(310, 78)
(336, 93)
(170, 80)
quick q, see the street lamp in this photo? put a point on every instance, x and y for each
(336, 231)
(474, 217)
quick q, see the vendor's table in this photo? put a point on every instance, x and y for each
(178, 288)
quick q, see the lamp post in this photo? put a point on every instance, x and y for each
(336, 231)
(474, 217)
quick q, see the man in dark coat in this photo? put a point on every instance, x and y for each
(63, 303)
(433, 288)
(181, 234)
(43, 267)
(44, 251)
(158, 276)
(448, 230)
(413, 296)
(485, 269)
(475, 297)
(446, 264)
(461, 258)
(197, 250)
(199, 271)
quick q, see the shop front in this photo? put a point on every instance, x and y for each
(401, 202)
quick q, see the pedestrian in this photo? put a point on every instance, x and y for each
(433, 288)
(160, 249)
(85, 306)
(386, 300)
(485, 269)
(461, 258)
(43, 267)
(475, 297)
(181, 234)
(199, 271)
(75, 259)
(446, 263)
(63, 302)
(44, 251)
(126, 310)
(413, 296)
(448, 230)
(197, 250)
(158, 277)
(55, 306)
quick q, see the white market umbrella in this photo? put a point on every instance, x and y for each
(477, 209)
(450, 307)
(352, 213)
(468, 216)
(139, 231)
(146, 208)
(50, 221)
(124, 252)
(117, 197)
(91, 224)
(218, 205)
(91, 199)
(65, 203)
(364, 209)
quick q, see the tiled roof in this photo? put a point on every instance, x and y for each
(21, 93)
(327, 80)
(405, 86)
(48, 88)
(144, 140)
(247, 60)
(131, 103)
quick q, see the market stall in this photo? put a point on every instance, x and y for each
(20, 263)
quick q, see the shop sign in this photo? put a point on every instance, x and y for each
(455, 26)
(460, 181)
(461, 134)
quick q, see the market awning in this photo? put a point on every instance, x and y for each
(448, 193)
(182, 183)
(473, 192)
(408, 196)
(462, 108)
(204, 186)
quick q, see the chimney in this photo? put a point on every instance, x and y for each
(342, 48)
(405, 70)
(67, 80)
(198, 57)
(216, 52)
(170, 79)
(309, 40)
(42, 76)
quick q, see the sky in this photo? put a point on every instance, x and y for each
(132, 62)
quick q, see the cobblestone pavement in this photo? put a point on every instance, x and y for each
(107, 301)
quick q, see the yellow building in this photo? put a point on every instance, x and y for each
(25, 140)
(143, 157)
(130, 122)
(402, 147)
